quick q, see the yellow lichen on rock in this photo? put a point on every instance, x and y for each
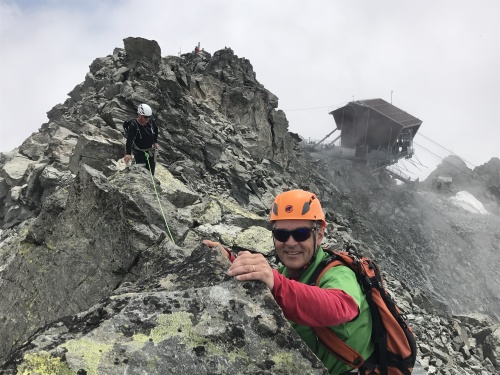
(230, 206)
(140, 338)
(43, 364)
(167, 179)
(256, 238)
(24, 248)
(86, 353)
(169, 325)
(283, 360)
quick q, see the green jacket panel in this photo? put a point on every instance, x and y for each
(357, 333)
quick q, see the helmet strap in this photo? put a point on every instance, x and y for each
(316, 246)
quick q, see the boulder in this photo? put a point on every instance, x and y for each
(143, 49)
(95, 151)
(216, 325)
(16, 169)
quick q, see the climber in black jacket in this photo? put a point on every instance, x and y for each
(142, 137)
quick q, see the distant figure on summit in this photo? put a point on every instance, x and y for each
(142, 138)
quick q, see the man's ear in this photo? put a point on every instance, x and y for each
(321, 234)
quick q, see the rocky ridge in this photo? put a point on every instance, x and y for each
(94, 284)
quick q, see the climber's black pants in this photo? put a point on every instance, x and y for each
(140, 158)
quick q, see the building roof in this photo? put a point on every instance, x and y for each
(373, 122)
(391, 111)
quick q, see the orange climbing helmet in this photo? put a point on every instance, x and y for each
(297, 205)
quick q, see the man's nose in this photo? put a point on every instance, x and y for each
(291, 241)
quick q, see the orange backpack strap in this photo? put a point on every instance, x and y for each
(394, 340)
(330, 341)
(338, 348)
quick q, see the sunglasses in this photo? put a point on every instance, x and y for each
(299, 234)
(146, 117)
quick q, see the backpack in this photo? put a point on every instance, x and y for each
(395, 346)
(127, 125)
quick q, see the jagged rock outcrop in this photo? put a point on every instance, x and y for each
(483, 181)
(76, 226)
(218, 120)
(102, 272)
(189, 318)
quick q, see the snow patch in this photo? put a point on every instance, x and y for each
(468, 202)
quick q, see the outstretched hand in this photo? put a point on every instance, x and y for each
(247, 266)
(218, 245)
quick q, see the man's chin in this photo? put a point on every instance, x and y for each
(293, 263)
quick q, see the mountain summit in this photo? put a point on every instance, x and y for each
(102, 270)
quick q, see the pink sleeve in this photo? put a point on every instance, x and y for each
(312, 306)
(231, 255)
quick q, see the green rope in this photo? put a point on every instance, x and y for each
(157, 197)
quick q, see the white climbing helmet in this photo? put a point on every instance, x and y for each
(144, 110)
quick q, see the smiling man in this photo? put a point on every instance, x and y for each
(338, 302)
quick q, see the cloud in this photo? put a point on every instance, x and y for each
(439, 60)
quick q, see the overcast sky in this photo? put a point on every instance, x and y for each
(439, 60)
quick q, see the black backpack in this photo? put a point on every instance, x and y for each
(131, 124)
(127, 125)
